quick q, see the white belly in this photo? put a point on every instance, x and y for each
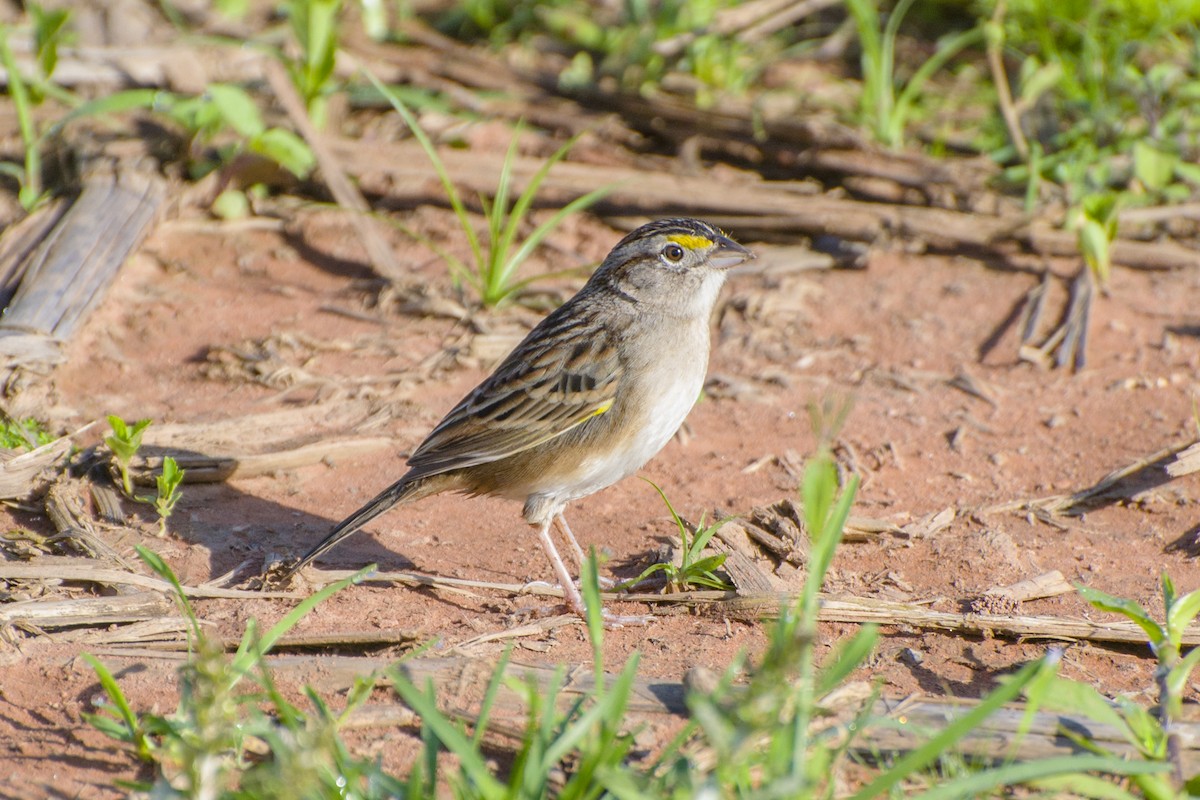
(664, 411)
(669, 411)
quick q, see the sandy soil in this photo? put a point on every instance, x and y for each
(891, 337)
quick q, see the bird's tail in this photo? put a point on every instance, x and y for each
(402, 491)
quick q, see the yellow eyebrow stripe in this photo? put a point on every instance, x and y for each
(690, 241)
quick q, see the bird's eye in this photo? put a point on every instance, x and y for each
(673, 252)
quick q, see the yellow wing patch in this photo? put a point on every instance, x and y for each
(690, 241)
(600, 409)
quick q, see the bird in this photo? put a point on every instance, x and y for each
(591, 394)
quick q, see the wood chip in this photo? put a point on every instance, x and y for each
(1048, 584)
(70, 271)
(23, 475)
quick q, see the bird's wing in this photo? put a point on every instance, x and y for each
(563, 374)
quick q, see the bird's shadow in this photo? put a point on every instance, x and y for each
(237, 527)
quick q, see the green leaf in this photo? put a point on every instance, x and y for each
(1188, 172)
(169, 479)
(704, 535)
(49, 31)
(1145, 727)
(595, 611)
(817, 491)
(231, 204)
(286, 149)
(164, 571)
(30, 196)
(1180, 614)
(1153, 166)
(234, 9)
(646, 573)
(237, 108)
(132, 731)
(1076, 785)
(707, 564)
(1126, 608)
(542, 231)
(1039, 81)
(1177, 678)
(1082, 698)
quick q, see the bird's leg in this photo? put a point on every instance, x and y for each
(571, 592)
(605, 582)
(566, 529)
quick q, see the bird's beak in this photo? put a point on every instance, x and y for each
(728, 254)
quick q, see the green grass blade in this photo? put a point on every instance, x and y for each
(937, 745)
(1177, 678)
(590, 578)
(542, 231)
(458, 270)
(502, 225)
(24, 108)
(707, 564)
(887, 66)
(1181, 612)
(866, 24)
(525, 200)
(247, 656)
(160, 567)
(912, 88)
(678, 522)
(113, 690)
(449, 735)
(609, 705)
(846, 658)
(980, 783)
(148, 99)
(1076, 785)
(705, 535)
(456, 203)
(489, 696)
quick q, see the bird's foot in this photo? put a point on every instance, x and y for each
(610, 620)
(576, 603)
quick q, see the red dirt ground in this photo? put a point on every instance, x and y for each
(890, 337)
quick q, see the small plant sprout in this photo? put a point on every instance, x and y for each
(1157, 738)
(167, 482)
(692, 571)
(27, 91)
(493, 273)
(1095, 224)
(124, 443)
(575, 744)
(23, 434)
(204, 747)
(315, 26)
(885, 112)
(224, 107)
